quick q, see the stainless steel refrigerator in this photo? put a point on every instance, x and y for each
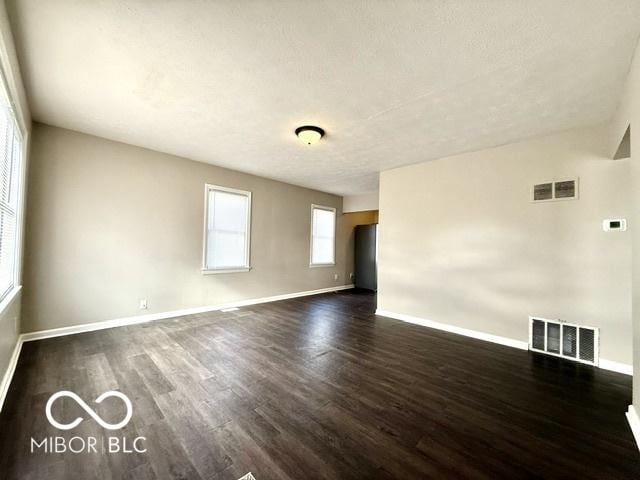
(366, 256)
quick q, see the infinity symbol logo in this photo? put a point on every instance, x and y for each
(89, 410)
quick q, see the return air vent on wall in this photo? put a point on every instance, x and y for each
(567, 340)
(550, 191)
(543, 191)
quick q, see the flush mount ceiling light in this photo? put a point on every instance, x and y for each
(309, 134)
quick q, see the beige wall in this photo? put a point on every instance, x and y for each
(628, 113)
(461, 243)
(365, 202)
(109, 224)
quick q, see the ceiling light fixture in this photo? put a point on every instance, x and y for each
(309, 134)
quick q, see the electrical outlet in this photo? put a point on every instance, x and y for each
(335, 276)
(143, 304)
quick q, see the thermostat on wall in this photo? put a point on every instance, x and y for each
(617, 224)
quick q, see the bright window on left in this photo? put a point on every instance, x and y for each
(227, 230)
(10, 170)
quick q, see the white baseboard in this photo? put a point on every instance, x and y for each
(119, 322)
(90, 327)
(616, 366)
(510, 342)
(453, 329)
(634, 423)
(8, 374)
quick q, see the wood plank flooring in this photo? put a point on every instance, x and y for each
(316, 387)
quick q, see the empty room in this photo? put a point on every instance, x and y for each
(329, 239)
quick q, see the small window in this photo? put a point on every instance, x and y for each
(323, 235)
(227, 230)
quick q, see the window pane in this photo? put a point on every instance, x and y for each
(7, 250)
(227, 230)
(226, 249)
(10, 158)
(323, 233)
(323, 223)
(229, 211)
(15, 174)
(6, 154)
(322, 250)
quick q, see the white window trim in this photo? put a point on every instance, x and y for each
(335, 218)
(244, 268)
(7, 297)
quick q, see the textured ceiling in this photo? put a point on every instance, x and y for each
(392, 83)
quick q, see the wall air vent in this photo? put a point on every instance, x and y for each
(567, 340)
(565, 189)
(550, 191)
(543, 191)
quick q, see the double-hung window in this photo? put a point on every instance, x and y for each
(10, 171)
(323, 236)
(227, 230)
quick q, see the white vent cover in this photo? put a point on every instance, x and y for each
(566, 340)
(551, 191)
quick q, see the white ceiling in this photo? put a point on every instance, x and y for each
(393, 82)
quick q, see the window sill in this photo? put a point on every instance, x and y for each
(214, 271)
(8, 298)
(316, 265)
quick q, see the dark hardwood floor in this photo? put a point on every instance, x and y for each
(316, 387)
